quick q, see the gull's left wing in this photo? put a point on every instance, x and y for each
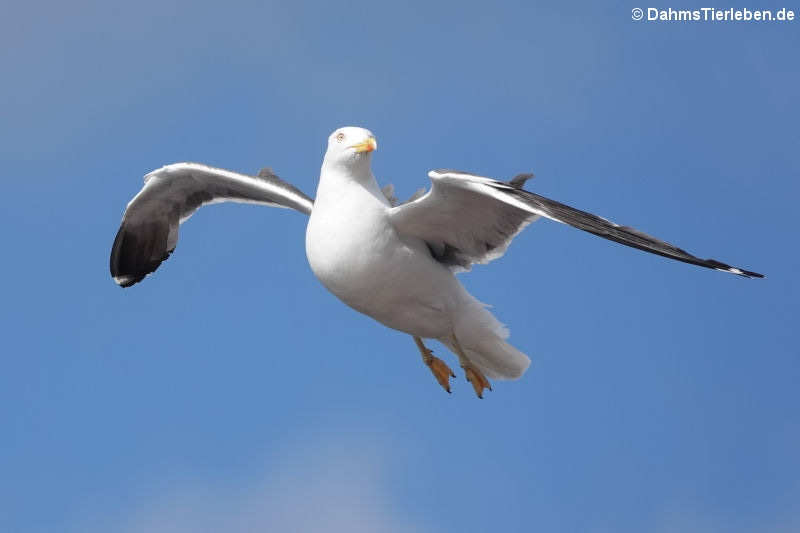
(149, 230)
(468, 219)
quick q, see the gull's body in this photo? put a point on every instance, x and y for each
(394, 263)
(358, 255)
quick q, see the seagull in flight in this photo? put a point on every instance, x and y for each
(394, 262)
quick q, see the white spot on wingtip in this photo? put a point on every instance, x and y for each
(732, 270)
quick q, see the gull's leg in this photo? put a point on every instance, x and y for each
(473, 375)
(440, 370)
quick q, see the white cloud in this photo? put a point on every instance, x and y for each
(336, 489)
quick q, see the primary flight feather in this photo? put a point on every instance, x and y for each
(394, 263)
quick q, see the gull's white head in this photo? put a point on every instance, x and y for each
(350, 147)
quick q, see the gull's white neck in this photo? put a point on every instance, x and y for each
(338, 179)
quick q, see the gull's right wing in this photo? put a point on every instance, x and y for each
(149, 230)
(467, 219)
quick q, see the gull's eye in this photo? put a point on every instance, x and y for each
(339, 137)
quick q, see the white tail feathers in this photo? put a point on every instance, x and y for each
(498, 360)
(482, 336)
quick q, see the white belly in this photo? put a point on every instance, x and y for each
(359, 257)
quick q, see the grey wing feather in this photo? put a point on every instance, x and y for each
(467, 219)
(388, 192)
(419, 193)
(519, 180)
(148, 233)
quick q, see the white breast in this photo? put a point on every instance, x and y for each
(356, 253)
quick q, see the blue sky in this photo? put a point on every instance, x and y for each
(231, 392)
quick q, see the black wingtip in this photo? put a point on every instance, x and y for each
(132, 258)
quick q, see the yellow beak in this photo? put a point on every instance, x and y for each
(367, 146)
